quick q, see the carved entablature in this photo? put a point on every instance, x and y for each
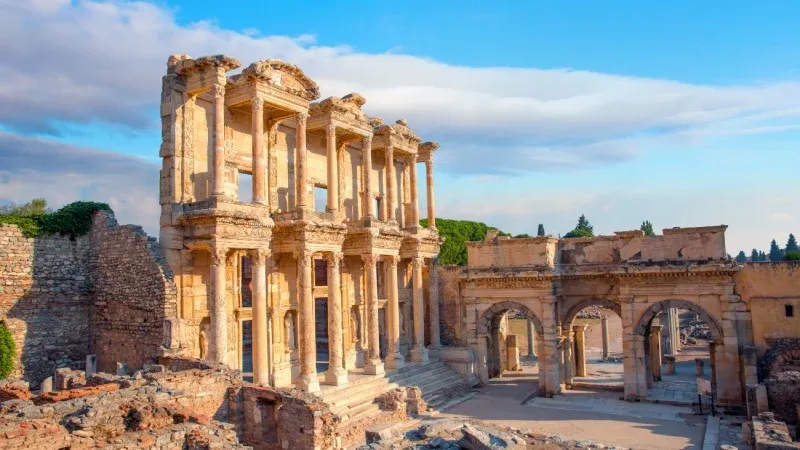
(506, 283)
(202, 73)
(282, 76)
(342, 112)
(398, 135)
(426, 150)
(370, 241)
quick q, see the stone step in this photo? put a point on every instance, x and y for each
(357, 379)
(365, 384)
(381, 385)
(359, 411)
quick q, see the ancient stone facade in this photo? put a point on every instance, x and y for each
(109, 293)
(551, 280)
(327, 225)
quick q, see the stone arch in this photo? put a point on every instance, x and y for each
(657, 307)
(594, 301)
(485, 321)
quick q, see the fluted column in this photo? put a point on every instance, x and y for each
(431, 203)
(260, 340)
(433, 296)
(333, 172)
(219, 311)
(394, 359)
(373, 365)
(301, 177)
(218, 180)
(259, 160)
(418, 353)
(390, 179)
(336, 374)
(308, 345)
(366, 148)
(412, 161)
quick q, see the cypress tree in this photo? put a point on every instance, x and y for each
(540, 231)
(775, 253)
(791, 244)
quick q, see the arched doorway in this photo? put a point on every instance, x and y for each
(591, 345)
(671, 356)
(498, 342)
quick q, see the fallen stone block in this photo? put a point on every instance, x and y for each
(381, 433)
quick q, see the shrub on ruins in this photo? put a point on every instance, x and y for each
(647, 227)
(8, 351)
(35, 218)
(793, 256)
(583, 229)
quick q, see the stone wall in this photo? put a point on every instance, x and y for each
(450, 306)
(45, 298)
(135, 299)
(783, 391)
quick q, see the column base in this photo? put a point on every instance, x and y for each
(308, 382)
(433, 352)
(419, 354)
(336, 377)
(374, 367)
(283, 377)
(395, 361)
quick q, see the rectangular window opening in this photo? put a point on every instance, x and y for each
(246, 284)
(320, 199)
(320, 272)
(789, 310)
(377, 208)
(245, 192)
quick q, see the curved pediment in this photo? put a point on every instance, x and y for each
(283, 76)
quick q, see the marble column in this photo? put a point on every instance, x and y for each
(333, 170)
(580, 350)
(219, 310)
(369, 198)
(336, 374)
(394, 359)
(672, 332)
(259, 160)
(418, 353)
(414, 188)
(531, 338)
(301, 174)
(655, 351)
(433, 296)
(307, 380)
(604, 332)
(373, 365)
(218, 180)
(260, 340)
(431, 203)
(390, 180)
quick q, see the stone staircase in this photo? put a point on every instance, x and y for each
(357, 399)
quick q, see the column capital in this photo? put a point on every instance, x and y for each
(218, 254)
(218, 90)
(330, 130)
(369, 259)
(303, 256)
(301, 118)
(259, 256)
(366, 141)
(417, 262)
(411, 159)
(392, 260)
(334, 257)
(257, 102)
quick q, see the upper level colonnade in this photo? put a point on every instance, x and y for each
(265, 123)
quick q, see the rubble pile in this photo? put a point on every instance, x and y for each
(452, 434)
(693, 330)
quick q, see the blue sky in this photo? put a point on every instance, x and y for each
(682, 113)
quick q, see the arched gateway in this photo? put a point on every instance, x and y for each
(638, 277)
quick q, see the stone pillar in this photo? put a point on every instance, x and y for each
(670, 362)
(91, 365)
(390, 180)
(218, 180)
(531, 343)
(412, 161)
(260, 319)
(301, 174)
(218, 350)
(308, 346)
(259, 160)
(655, 351)
(699, 364)
(333, 170)
(606, 343)
(394, 359)
(373, 365)
(431, 203)
(672, 332)
(580, 350)
(549, 382)
(433, 296)
(512, 352)
(418, 353)
(336, 374)
(366, 148)
(47, 385)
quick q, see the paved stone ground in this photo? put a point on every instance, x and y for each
(606, 419)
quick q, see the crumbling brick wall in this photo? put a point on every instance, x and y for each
(134, 299)
(783, 391)
(45, 297)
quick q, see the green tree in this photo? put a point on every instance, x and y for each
(33, 208)
(755, 256)
(647, 227)
(741, 257)
(455, 233)
(540, 231)
(793, 256)
(8, 351)
(523, 235)
(775, 253)
(762, 256)
(583, 229)
(791, 244)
